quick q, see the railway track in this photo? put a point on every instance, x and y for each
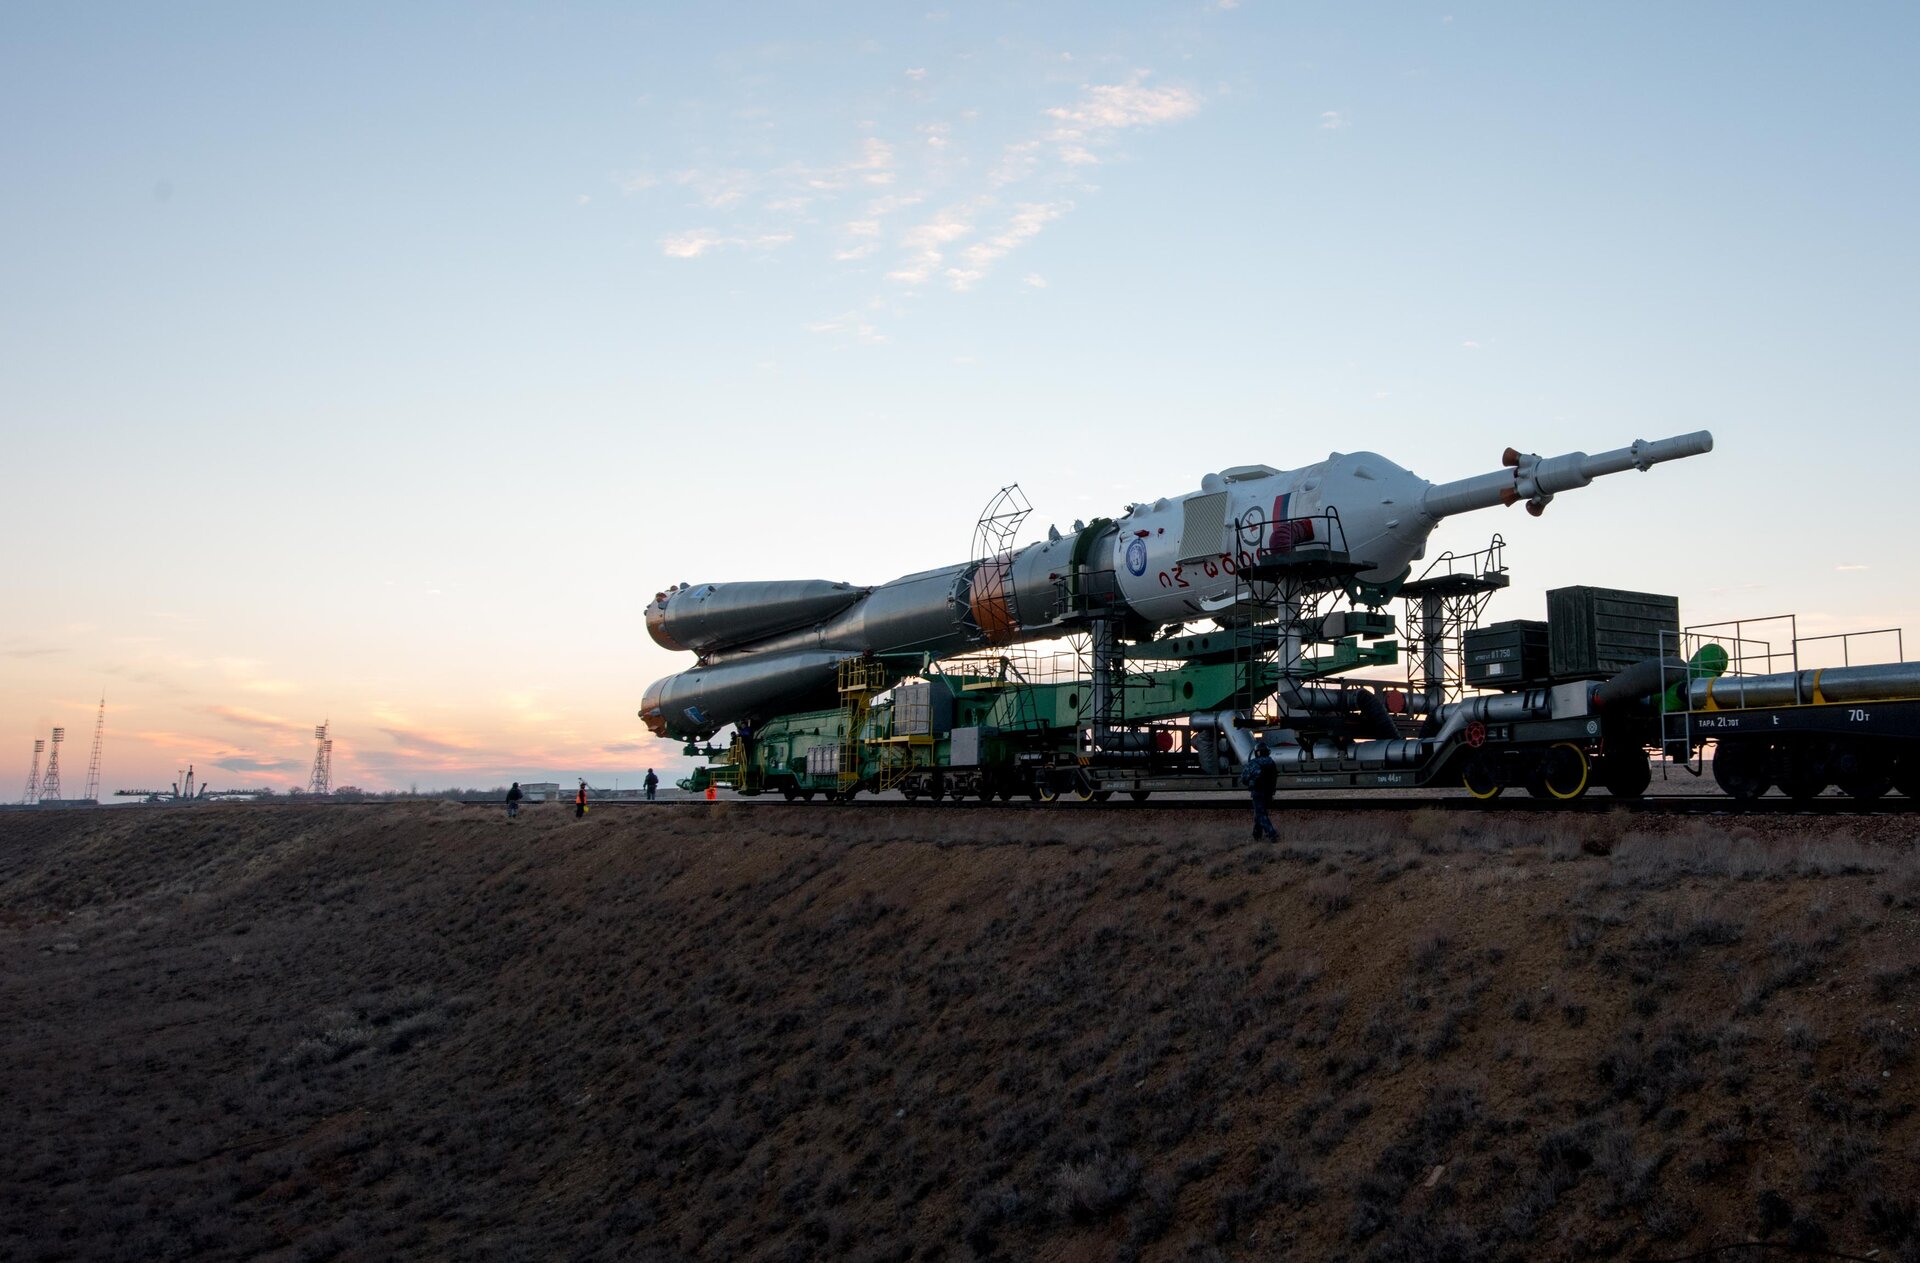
(1652, 804)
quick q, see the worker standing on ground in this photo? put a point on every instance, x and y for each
(652, 783)
(1261, 775)
(513, 801)
(580, 802)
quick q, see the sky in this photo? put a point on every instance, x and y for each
(377, 364)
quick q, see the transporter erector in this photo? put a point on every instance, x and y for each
(770, 648)
(1201, 623)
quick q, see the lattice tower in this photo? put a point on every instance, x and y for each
(321, 782)
(93, 764)
(33, 776)
(50, 783)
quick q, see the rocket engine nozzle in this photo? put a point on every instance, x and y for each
(1535, 479)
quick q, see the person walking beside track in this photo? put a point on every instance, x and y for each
(580, 802)
(513, 801)
(1261, 775)
(652, 783)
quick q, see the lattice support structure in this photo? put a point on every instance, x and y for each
(32, 795)
(93, 764)
(1443, 605)
(321, 782)
(50, 782)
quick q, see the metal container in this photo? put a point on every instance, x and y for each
(823, 761)
(1594, 632)
(1508, 655)
(965, 749)
(923, 708)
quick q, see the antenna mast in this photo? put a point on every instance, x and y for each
(321, 782)
(33, 777)
(50, 783)
(93, 764)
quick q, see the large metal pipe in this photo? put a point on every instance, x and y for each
(1228, 724)
(1642, 679)
(1883, 682)
(1524, 704)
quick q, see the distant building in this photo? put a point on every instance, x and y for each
(540, 791)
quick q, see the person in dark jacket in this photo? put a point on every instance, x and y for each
(513, 800)
(1261, 775)
(580, 802)
(652, 783)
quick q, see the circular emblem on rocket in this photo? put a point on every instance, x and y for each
(1137, 557)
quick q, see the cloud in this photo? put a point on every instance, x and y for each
(1110, 106)
(926, 242)
(656, 747)
(256, 763)
(1034, 279)
(1471, 345)
(852, 325)
(917, 73)
(1332, 120)
(698, 241)
(691, 244)
(1850, 567)
(1022, 226)
(413, 740)
(32, 651)
(717, 190)
(636, 181)
(251, 718)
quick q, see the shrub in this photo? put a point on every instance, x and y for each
(1331, 893)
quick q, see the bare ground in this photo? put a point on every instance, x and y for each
(1085, 1033)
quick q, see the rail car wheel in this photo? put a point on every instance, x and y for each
(1477, 778)
(1101, 795)
(1862, 773)
(1626, 773)
(1562, 773)
(1740, 769)
(789, 793)
(1044, 792)
(1867, 787)
(1139, 795)
(1906, 775)
(1801, 771)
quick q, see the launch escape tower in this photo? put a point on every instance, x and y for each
(321, 782)
(93, 764)
(32, 795)
(50, 782)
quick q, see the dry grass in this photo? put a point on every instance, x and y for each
(720, 1033)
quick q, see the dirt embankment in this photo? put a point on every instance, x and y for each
(720, 1033)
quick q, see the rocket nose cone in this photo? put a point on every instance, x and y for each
(650, 713)
(656, 617)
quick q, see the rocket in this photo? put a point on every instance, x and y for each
(770, 648)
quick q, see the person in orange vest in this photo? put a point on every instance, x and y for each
(580, 802)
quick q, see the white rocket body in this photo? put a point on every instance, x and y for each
(770, 648)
